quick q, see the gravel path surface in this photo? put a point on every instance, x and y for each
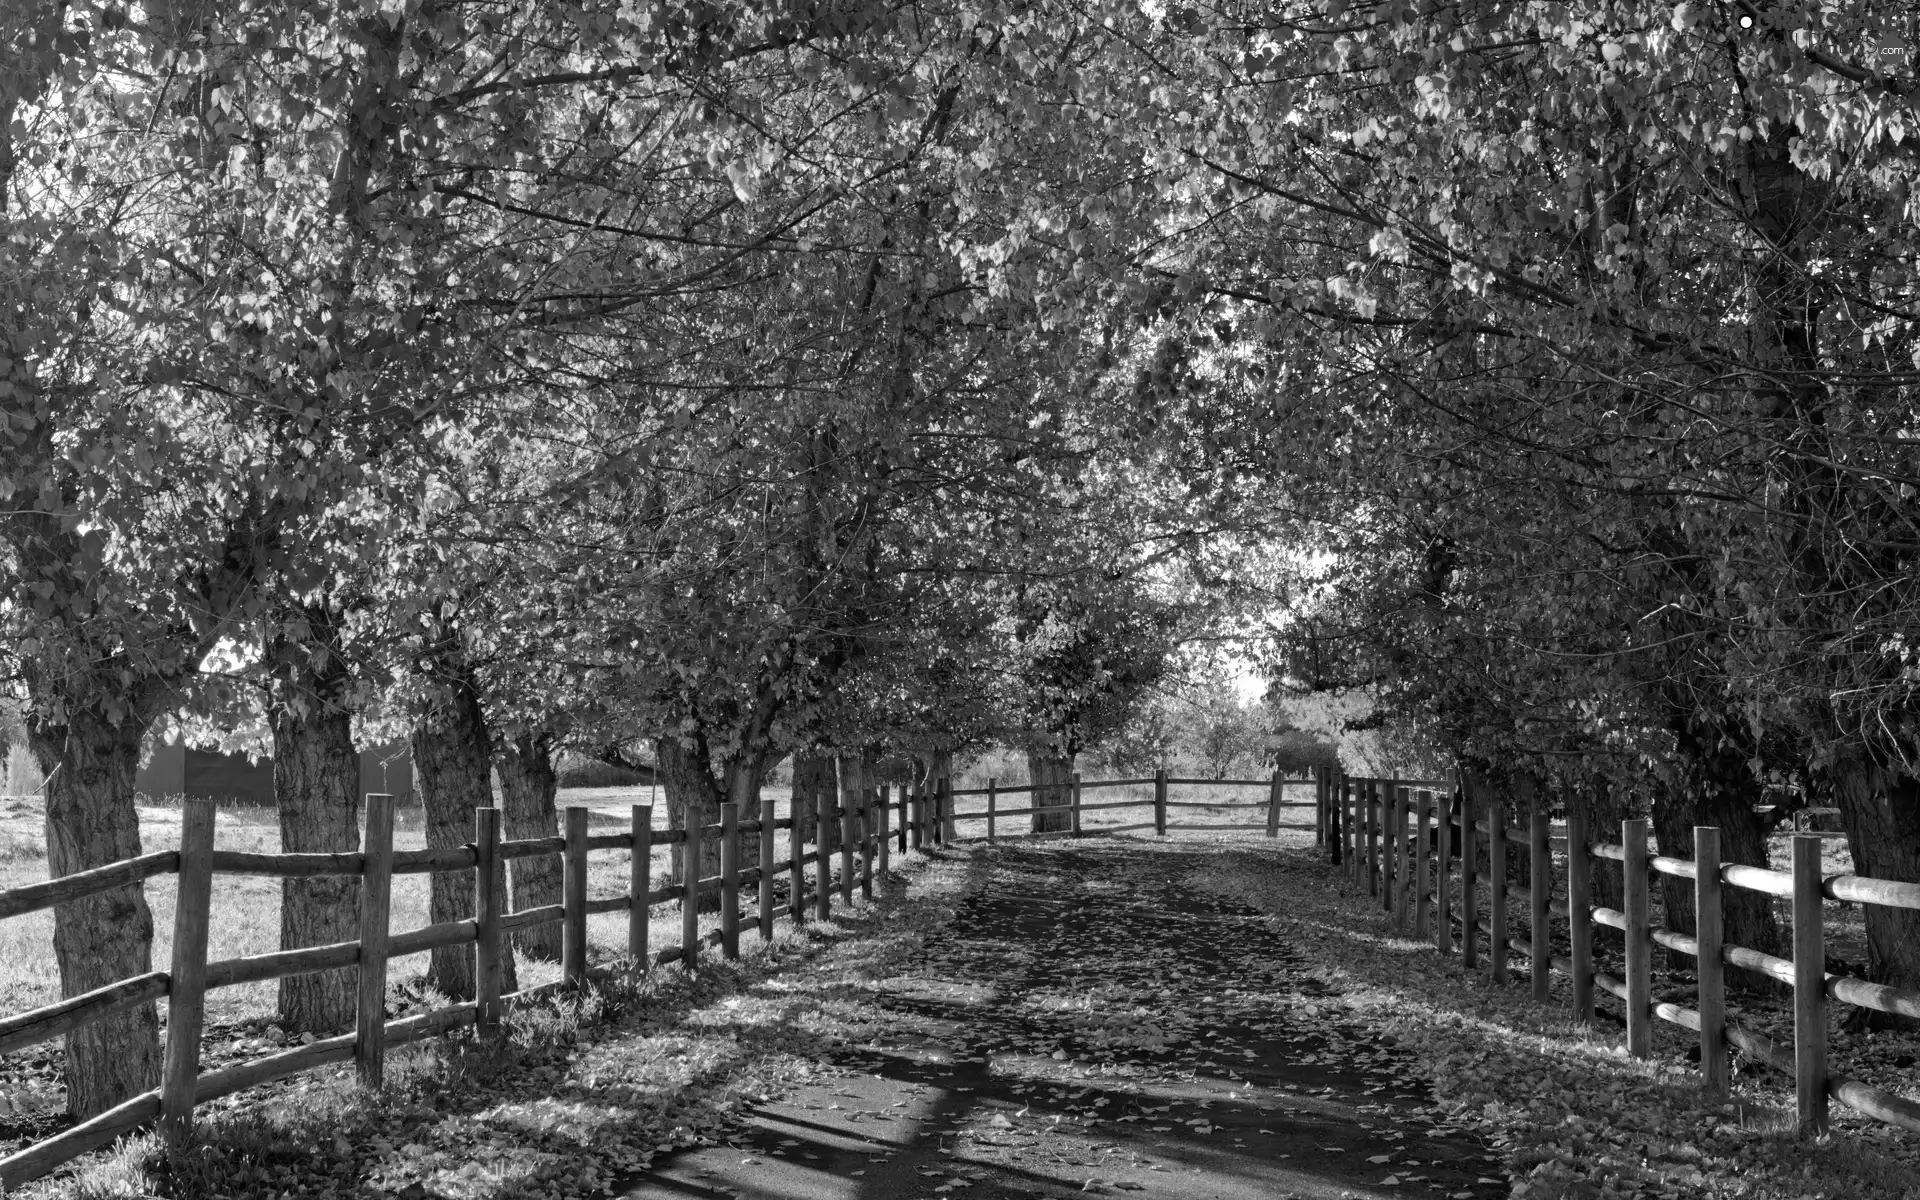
(1088, 1024)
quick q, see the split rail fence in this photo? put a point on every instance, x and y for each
(863, 835)
(1160, 804)
(1402, 841)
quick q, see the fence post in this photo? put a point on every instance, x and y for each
(1469, 882)
(1391, 874)
(1350, 829)
(1711, 972)
(949, 831)
(1809, 986)
(1403, 853)
(1160, 802)
(639, 883)
(1273, 805)
(187, 982)
(906, 813)
(1541, 872)
(993, 802)
(846, 850)
(690, 893)
(1319, 806)
(822, 855)
(1373, 789)
(486, 919)
(1074, 798)
(376, 893)
(1356, 809)
(1580, 912)
(1497, 887)
(917, 810)
(767, 821)
(1443, 876)
(797, 867)
(1422, 866)
(573, 890)
(864, 822)
(730, 879)
(884, 835)
(1633, 836)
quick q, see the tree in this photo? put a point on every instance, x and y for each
(1223, 734)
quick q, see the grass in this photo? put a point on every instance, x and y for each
(1576, 1116)
(19, 774)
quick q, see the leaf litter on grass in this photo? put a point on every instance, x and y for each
(1572, 1115)
(574, 1100)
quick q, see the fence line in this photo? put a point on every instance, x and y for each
(866, 831)
(1370, 840)
(1070, 811)
(864, 826)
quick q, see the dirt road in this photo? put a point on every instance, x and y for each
(1090, 1023)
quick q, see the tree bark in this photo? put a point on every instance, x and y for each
(743, 789)
(689, 785)
(813, 773)
(316, 776)
(528, 788)
(89, 762)
(452, 766)
(1880, 811)
(1604, 808)
(1717, 789)
(860, 781)
(1051, 774)
(316, 781)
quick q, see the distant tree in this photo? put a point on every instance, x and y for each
(1295, 751)
(1222, 732)
(1143, 745)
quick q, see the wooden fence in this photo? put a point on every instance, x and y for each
(1161, 781)
(1401, 841)
(863, 833)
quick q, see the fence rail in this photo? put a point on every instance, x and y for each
(1373, 837)
(1064, 815)
(861, 827)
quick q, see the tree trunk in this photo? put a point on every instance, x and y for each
(1051, 774)
(689, 787)
(1527, 795)
(528, 787)
(813, 773)
(452, 766)
(860, 781)
(743, 789)
(89, 764)
(316, 778)
(1604, 808)
(1718, 790)
(1880, 810)
(852, 769)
